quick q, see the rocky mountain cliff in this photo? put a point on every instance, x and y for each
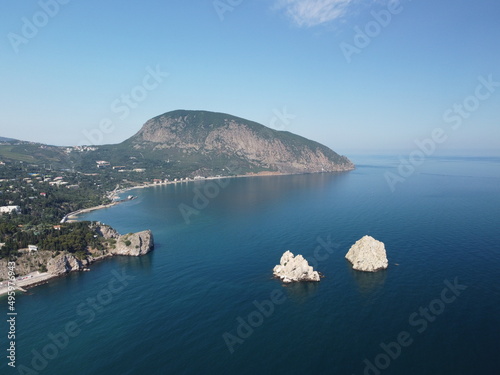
(212, 141)
(132, 244)
(60, 263)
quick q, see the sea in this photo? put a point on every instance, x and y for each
(205, 302)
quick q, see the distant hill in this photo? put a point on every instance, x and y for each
(34, 153)
(190, 143)
(3, 139)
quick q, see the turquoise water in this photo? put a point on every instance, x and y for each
(179, 310)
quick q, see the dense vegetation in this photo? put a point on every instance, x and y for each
(71, 237)
(42, 206)
(41, 202)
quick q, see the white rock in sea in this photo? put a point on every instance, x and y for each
(368, 255)
(294, 269)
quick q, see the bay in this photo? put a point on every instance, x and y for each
(178, 310)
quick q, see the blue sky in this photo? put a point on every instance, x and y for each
(69, 66)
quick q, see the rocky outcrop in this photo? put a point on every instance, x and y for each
(106, 231)
(134, 244)
(60, 263)
(368, 255)
(293, 269)
(65, 263)
(131, 244)
(26, 263)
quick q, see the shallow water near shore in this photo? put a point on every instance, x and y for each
(179, 309)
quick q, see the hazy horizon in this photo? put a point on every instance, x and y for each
(358, 76)
(340, 150)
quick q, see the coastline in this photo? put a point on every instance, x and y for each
(73, 216)
(34, 279)
(37, 278)
(27, 281)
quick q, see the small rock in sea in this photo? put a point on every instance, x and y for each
(368, 255)
(293, 269)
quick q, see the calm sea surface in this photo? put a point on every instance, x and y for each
(204, 302)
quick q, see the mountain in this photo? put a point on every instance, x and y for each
(207, 142)
(187, 144)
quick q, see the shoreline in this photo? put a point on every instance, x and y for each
(73, 216)
(27, 281)
(37, 278)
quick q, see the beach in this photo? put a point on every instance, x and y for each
(72, 216)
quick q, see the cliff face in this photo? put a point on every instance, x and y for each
(106, 231)
(64, 263)
(55, 264)
(27, 263)
(134, 244)
(208, 139)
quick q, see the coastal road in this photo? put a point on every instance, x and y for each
(26, 281)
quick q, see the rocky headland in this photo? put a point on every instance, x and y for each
(62, 262)
(131, 244)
